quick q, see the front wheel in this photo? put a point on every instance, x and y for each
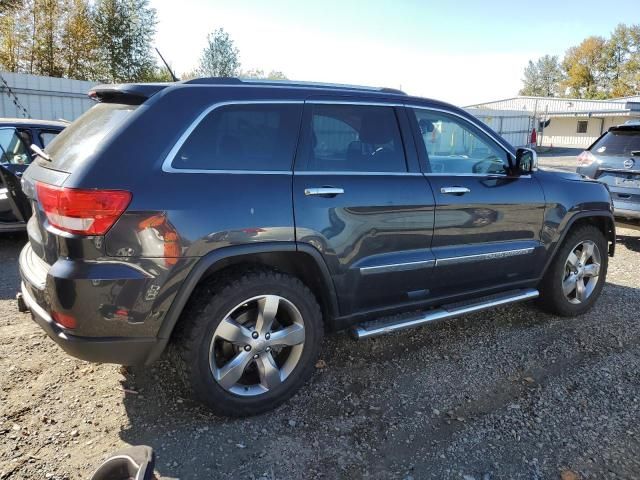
(249, 342)
(577, 274)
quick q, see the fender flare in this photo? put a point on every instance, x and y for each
(209, 260)
(571, 222)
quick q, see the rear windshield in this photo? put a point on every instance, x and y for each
(618, 142)
(76, 142)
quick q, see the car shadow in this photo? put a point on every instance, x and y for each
(630, 242)
(399, 379)
(10, 246)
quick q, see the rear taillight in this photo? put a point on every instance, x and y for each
(585, 159)
(64, 320)
(86, 212)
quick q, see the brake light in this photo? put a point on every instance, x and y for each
(86, 212)
(585, 159)
(67, 321)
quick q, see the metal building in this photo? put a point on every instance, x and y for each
(515, 126)
(44, 98)
(568, 122)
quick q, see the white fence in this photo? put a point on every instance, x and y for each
(43, 98)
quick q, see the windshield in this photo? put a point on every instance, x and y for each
(618, 142)
(80, 139)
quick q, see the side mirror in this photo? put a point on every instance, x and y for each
(526, 160)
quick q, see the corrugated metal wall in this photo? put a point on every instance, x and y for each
(45, 98)
(545, 104)
(514, 126)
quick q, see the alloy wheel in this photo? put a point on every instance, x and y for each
(581, 272)
(257, 345)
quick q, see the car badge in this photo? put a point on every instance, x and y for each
(628, 163)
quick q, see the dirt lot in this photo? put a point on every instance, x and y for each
(508, 394)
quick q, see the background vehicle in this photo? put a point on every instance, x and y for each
(614, 159)
(16, 136)
(260, 214)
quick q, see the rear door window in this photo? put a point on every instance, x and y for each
(76, 142)
(619, 142)
(351, 138)
(257, 137)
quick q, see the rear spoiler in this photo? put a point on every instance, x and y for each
(127, 93)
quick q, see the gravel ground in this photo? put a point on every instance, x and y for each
(508, 394)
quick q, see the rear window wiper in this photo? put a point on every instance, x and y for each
(41, 153)
(635, 153)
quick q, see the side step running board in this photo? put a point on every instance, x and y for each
(380, 327)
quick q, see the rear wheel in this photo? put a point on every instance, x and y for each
(577, 274)
(249, 342)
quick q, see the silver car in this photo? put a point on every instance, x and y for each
(614, 159)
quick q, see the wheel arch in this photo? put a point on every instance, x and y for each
(302, 261)
(602, 220)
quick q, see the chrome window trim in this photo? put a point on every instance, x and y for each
(168, 168)
(488, 176)
(355, 102)
(396, 267)
(349, 172)
(167, 163)
(484, 256)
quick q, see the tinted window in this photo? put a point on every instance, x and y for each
(243, 137)
(618, 142)
(455, 146)
(76, 142)
(13, 148)
(355, 138)
(46, 136)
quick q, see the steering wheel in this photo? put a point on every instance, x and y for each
(488, 165)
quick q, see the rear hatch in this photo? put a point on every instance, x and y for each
(618, 154)
(70, 222)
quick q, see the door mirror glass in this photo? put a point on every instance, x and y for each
(13, 149)
(526, 160)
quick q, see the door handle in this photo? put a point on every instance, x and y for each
(324, 191)
(454, 190)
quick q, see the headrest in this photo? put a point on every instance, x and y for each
(376, 129)
(426, 126)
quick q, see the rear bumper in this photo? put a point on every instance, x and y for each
(93, 293)
(124, 351)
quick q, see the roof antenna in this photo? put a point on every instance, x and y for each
(175, 79)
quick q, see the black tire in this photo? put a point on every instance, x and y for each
(552, 299)
(206, 310)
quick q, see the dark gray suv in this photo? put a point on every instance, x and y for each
(236, 222)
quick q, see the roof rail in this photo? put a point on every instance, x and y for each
(289, 83)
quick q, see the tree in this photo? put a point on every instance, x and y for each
(8, 6)
(47, 40)
(260, 75)
(622, 61)
(220, 57)
(15, 34)
(80, 52)
(543, 78)
(585, 66)
(125, 31)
